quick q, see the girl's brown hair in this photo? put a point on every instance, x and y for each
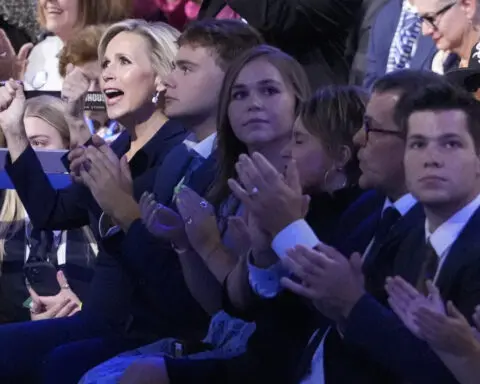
(229, 147)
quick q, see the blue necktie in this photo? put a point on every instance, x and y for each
(404, 41)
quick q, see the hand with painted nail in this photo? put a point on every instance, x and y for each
(161, 221)
(274, 199)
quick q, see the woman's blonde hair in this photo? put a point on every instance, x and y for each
(161, 37)
(91, 12)
(12, 213)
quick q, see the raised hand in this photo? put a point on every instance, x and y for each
(12, 109)
(275, 201)
(12, 65)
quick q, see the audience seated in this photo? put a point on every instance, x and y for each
(346, 107)
(62, 20)
(262, 90)
(247, 231)
(435, 249)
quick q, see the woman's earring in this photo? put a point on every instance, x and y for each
(155, 97)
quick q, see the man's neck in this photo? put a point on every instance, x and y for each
(204, 128)
(437, 214)
(396, 193)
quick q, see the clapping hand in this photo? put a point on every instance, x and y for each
(443, 327)
(276, 201)
(334, 282)
(162, 222)
(200, 221)
(63, 304)
(405, 301)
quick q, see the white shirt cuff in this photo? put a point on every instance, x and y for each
(297, 233)
(106, 227)
(266, 282)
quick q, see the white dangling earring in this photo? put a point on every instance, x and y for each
(155, 97)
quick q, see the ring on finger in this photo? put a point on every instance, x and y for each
(203, 204)
(254, 191)
(65, 286)
(189, 221)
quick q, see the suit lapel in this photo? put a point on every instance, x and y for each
(424, 52)
(210, 9)
(170, 173)
(464, 250)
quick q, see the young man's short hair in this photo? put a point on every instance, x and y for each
(440, 96)
(226, 38)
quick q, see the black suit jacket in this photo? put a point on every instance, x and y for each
(284, 323)
(154, 265)
(388, 341)
(314, 32)
(113, 293)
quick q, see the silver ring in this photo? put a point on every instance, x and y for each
(189, 221)
(65, 286)
(254, 191)
(203, 204)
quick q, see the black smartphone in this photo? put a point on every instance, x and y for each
(42, 277)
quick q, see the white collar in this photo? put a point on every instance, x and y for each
(204, 148)
(402, 205)
(446, 234)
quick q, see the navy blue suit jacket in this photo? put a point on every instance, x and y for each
(378, 332)
(112, 293)
(154, 263)
(381, 37)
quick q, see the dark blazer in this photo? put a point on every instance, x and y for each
(284, 324)
(388, 341)
(153, 263)
(381, 38)
(314, 32)
(113, 294)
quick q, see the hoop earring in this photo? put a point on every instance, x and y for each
(326, 181)
(155, 97)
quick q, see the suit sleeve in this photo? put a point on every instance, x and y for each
(295, 18)
(47, 207)
(381, 334)
(372, 74)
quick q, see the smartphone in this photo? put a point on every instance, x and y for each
(42, 277)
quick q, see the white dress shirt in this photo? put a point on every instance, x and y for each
(446, 234)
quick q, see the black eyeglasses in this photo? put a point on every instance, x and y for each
(369, 129)
(432, 19)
